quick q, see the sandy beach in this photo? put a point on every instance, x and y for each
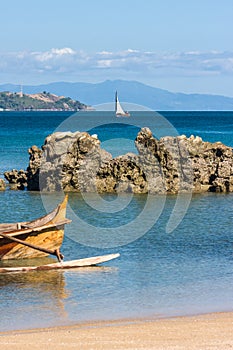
(209, 331)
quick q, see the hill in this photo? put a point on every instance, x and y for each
(40, 101)
(132, 92)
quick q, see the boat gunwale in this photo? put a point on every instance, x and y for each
(35, 225)
(36, 228)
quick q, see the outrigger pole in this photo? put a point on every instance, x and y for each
(55, 252)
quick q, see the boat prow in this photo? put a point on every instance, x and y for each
(35, 238)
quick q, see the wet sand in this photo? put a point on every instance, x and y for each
(210, 331)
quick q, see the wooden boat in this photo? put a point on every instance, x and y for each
(92, 261)
(35, 238)
(38, 238)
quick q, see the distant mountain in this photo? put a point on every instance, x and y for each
(17, 101)
(132, 92)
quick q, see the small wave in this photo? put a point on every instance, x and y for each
(224, 132)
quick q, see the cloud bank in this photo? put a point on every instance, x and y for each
(67, 63)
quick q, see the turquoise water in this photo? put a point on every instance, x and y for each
(159, 274)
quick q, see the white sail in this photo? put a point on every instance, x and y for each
(118, 109)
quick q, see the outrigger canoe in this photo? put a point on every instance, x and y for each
(39, 238)
(36, 238)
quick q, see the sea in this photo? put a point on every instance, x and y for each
(184, 270)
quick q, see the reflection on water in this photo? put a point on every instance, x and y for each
(38, 298)
(27, 262)
(32, 296)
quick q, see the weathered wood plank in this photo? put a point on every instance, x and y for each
(63, 264)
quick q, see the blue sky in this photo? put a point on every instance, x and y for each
(180, 45)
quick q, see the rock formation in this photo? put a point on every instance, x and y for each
(2, 185)
(76, 162)
(17, 179)
(122, 174)
(67, 161)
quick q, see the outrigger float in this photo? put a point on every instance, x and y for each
(38, 238)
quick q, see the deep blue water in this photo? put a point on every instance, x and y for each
(158, 274)
(21, 130)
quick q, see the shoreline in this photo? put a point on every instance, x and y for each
(203, 331)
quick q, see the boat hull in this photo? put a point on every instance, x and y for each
(48, 238)
(122, 115)
(46, 232)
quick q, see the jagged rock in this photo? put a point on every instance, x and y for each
(122, 174)
(75, 162)
(67, 161)
(165, 162)
(187, 164)
(17, 179)
(2, 185)
(35, 155)
(213, 168)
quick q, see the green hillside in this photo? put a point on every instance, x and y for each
(41, 101)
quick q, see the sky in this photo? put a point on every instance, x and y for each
(177, 45)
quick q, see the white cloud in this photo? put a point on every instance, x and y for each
(64, 51)
(107, 53)
(132, 51)
(104, 63)
(72, 64)
(53, 54)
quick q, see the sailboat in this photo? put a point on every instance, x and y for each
(118, 109)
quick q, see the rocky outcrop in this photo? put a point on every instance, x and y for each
(212, 165)
(185, 164)
(2, 185)
(17, 179)
(67, 161)
(122, 174)
(33, 170)
(75, 162)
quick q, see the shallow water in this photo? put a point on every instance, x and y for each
(186, 272)
(158, 274)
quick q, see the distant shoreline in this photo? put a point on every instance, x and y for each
(88, 109)
(43, 101)
(44, 110)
